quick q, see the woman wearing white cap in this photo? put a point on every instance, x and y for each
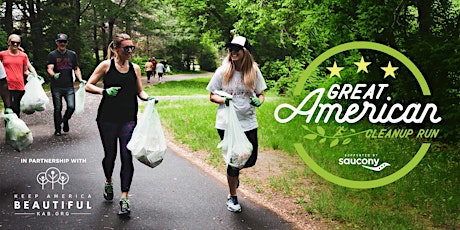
(240, 77)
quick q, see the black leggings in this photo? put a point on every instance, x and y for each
(5, 93)
(110, 132)
(149, 74)
(252, 137)
(16, 96)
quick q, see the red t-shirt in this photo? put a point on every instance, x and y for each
(14, 68)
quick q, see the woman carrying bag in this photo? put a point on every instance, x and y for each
(117, 112)
(240, 77)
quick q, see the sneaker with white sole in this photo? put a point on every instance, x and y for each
(108, 191)
(232, 204)
(124, 207)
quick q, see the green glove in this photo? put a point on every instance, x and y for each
(8, 111)
(112, 91)
(227, 101)
(83, 81)
(56, 75)
(255, 101)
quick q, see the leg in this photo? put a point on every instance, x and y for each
(57, 115)
(233, 182)
(69, 97)
(16, 96)
(252, 137)
(108, 132)
(127, 166)
(5, 93)
(232, 179)
(160, 75)
(149, 74)
(232, 173)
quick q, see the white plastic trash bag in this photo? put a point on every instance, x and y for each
(34, 98)
(236, 148)
(148, 143)
(80, 99)
(18, 135)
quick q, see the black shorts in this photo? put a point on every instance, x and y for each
(252, 137)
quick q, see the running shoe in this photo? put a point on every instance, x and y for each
(108, 191)
(65, 127)
(232, 204)
(124, 207)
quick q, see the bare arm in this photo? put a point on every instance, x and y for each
(31, 68)
(261, 97)
(216, 98)
(99, 72)
(140, 89)
(78, 73)
(50, 69)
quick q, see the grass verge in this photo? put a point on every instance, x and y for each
(426, 198)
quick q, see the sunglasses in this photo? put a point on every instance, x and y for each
(13, 43)
(129, 48)
(62, 41)
(235, 48)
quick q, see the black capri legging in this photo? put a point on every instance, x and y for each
(110, 133)
(252, 137)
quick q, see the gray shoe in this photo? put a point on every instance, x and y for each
(124, 207)
(232, 204)
(108, 191)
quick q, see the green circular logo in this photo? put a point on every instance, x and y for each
(421, 82)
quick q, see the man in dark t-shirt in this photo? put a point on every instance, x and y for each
(62, 66)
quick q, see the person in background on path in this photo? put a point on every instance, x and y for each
(62, 64)
(167, 68)
(154, 67)
(148, 69)
(160, 70)
(117, 112)
(240, 77)
(15, 63)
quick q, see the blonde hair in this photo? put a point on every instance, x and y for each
(13, 36)
(248, 68)
(116, 42)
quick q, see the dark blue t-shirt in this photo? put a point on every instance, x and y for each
(64, 64)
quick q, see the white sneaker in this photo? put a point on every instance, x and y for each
(232, 204)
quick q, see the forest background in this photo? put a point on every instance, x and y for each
(286, 36)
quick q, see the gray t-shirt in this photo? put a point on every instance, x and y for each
(160, 68)
(245, 112)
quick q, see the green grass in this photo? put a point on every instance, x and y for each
(190, 87)
(427, 197)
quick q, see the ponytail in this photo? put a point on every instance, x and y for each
(110, 52)
(116, 42)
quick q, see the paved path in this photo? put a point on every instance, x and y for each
(174, 195)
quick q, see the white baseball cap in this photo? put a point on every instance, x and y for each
(240, 41)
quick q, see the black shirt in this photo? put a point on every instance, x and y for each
(123, 107)
(64, 64)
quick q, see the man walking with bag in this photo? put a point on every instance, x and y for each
(62, 62)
